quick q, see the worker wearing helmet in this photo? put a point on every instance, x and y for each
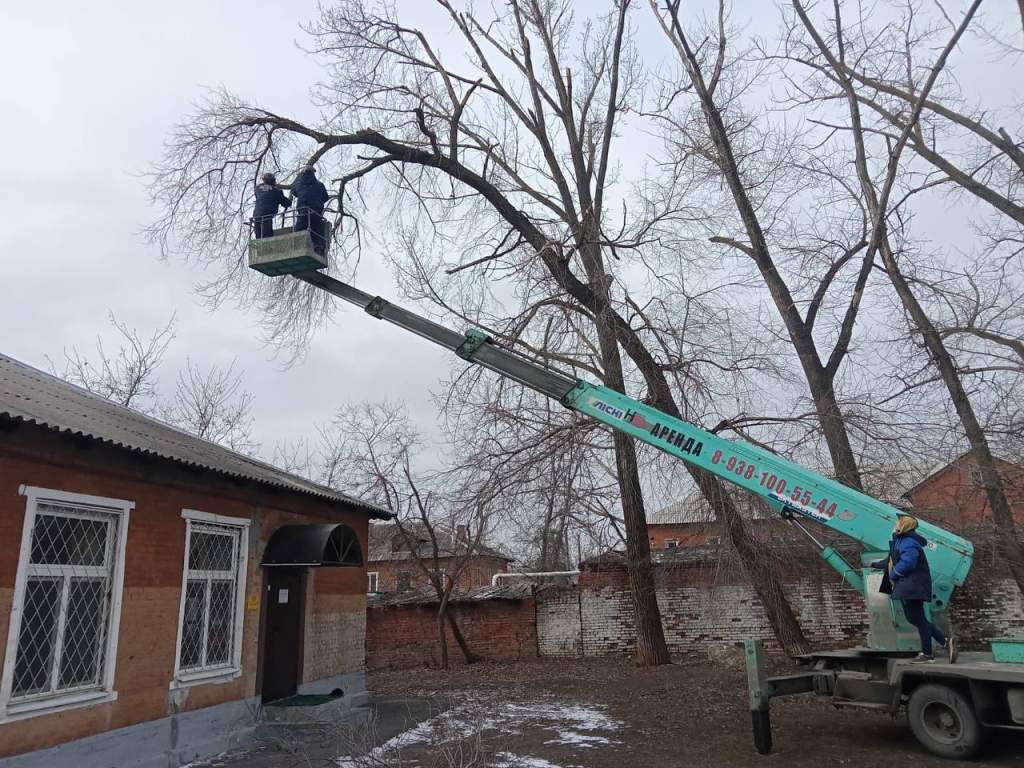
(908, 579)
(310, 197)
(269, 198)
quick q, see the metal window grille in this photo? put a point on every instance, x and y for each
(210, 596)
(65, 618)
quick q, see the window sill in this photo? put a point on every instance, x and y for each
(24, 710)
(206, 677)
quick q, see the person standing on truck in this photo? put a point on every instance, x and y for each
(908, 579)
(269, 198)
(310, 197)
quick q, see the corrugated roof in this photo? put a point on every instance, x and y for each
(30, 395)
(694, 508)
(382, 535)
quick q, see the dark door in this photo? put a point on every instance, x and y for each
(283, 638)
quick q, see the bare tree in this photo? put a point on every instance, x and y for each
(878, 195)
(733, 146)
(212, 404)
(129, 376)
(504, 161)
(373, 448)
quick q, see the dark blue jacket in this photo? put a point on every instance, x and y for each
(268, 198)
(309, 192)
(910, 576)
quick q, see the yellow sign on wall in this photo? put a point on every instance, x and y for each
(253, 603)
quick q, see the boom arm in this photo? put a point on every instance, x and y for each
(787, 487)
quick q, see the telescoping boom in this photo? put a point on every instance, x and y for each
(794, 492)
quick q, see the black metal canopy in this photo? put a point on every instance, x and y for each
(321, 545)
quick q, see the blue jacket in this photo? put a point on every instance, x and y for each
(910, 575)
(309, 192)
(268, 198)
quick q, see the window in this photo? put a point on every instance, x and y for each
(62, 638)
(404, 581)
(371, 582)
(714, 540)
(212, 594)
(672, 543)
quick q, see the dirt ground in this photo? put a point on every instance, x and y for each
(604, 714)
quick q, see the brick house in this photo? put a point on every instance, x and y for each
(949, 494)
(156, 589)
(952, 494)
(392, 562)
(690, 522)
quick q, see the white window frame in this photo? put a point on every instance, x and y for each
(232, 670)
(372, 582)
(10, 711)
(671, 543)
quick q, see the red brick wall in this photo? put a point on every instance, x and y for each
(952, 496)
(402, 636)
(152, 579)
(686, 534)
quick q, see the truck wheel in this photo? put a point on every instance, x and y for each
(943, 720)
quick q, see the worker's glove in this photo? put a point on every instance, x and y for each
(877, 565)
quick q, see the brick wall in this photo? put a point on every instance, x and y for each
(954, 495)
(704, 602)
(152, 577)
(558, 621)
(708, 605)
(401, 636)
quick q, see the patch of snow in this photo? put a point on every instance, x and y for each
(573, 724)
(580, 739)
(508, 760)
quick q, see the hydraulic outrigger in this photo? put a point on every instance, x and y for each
(876, 677)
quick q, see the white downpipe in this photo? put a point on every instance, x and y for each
(497, 576)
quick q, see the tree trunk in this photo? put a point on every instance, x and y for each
(468, 655)
(651, 648)
(757, 562)
(833, 427)
(442, 636)
(1009, 544)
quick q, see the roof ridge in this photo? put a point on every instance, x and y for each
(140, 432)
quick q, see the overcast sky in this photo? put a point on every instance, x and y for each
(90, 91)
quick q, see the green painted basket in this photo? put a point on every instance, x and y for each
(1008, 649)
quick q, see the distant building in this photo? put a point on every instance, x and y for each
(953, 493)
(157, 589)
(690, 522)
(392, 563)
(949, 495)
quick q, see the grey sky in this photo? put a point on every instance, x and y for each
(90, 92)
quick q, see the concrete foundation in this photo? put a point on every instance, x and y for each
(183, 738)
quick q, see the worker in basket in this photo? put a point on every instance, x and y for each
(907, 578)
(269, 197)
(310, 196)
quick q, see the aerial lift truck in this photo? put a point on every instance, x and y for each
(949, 706)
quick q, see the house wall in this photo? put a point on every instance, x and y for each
(152, 579)
(477, 572)
(953, 497)
(403, 636)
